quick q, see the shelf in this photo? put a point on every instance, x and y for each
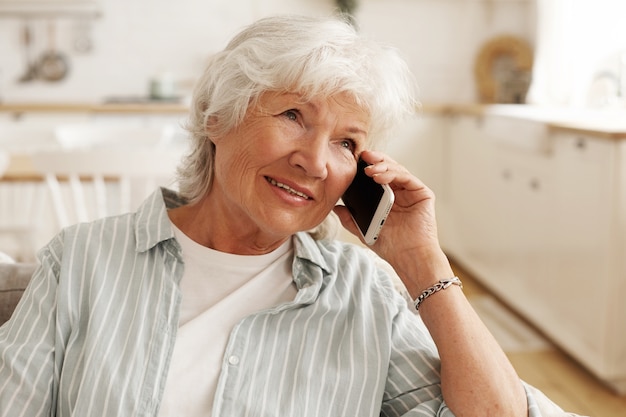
(49, 8)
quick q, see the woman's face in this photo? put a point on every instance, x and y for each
(287, 164)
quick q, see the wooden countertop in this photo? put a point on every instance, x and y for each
(110, 107)
(605, 123)
(20, 169)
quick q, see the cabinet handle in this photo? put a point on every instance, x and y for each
(581, 143)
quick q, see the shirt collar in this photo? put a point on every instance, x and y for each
(154, 226)
(309, 249)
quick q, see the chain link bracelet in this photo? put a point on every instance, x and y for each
(441, 285)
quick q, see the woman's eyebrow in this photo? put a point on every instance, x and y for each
(356, 130)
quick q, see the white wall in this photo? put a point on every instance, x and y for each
(442, 37)
(135, 40)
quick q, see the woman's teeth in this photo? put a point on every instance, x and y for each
(286, 187)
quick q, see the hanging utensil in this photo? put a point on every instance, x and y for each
(30, 73)
(53, 65)
(82, 37)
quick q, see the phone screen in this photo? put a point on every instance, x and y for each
(368, 203)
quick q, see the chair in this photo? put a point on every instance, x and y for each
(20, 198)
(85, 184)
(4, 162)
(21, 218)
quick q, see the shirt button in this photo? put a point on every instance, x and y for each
(233, 360)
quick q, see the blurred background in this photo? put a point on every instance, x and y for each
(521, 132)
(117, 47)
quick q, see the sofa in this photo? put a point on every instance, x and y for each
(14, 278)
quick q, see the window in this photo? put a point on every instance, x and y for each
(580, 54)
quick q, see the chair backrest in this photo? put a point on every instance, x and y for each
(86, 184)
(22, 227)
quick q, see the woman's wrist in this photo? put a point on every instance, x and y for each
(421, 269)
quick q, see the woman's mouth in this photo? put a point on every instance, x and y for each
(287, 188)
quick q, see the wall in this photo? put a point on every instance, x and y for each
(136, 40)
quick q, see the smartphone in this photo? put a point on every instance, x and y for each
(369, 203)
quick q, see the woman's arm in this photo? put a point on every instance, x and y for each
(476, 377)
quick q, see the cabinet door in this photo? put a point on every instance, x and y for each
(500, 191)
(584, 264)
(466, 229)
(522, 187)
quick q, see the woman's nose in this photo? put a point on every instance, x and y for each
(312, 157)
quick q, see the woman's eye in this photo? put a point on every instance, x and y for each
(291, 115)
(348, 144)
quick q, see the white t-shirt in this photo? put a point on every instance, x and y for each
(218, 290)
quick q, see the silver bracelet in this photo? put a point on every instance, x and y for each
(441, 285)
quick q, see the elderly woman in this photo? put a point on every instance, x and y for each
(229, 298)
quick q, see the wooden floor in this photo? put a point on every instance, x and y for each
(554, 372)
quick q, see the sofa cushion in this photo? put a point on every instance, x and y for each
(14, 278)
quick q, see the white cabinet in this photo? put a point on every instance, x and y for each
(588, 313)
(465, 198)
(539, 216)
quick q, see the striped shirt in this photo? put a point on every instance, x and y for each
(94, 332)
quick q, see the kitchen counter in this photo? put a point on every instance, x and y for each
(608, 123)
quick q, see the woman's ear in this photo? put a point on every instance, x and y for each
(211, 128)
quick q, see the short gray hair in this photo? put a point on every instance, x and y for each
(309, 55)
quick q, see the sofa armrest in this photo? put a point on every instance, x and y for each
(14, 277)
